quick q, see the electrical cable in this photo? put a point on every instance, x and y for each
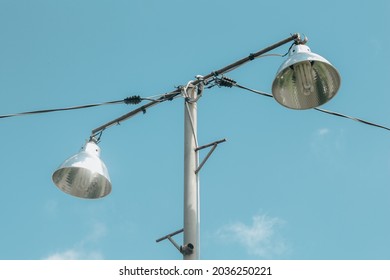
(60, 109)
(317, 108)
(132, 100)
(63, 109)
(351, 118)
(255, 91)
(220, 81)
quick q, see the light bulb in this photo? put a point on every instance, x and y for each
(304, 77)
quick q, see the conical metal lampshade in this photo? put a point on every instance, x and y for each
(305, 80)
(84, 174)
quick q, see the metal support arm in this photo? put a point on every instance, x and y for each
(214, 146)
(169, 96)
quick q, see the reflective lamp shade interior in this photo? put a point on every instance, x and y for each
(305, 80)
(84, 174)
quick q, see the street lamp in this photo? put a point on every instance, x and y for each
(304, 81)
(84, 174)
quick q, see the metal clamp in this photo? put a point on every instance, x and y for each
(186, 249)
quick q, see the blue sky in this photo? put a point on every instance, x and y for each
(286, 185)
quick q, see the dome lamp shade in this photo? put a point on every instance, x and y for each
(84, 174)
(305, 80)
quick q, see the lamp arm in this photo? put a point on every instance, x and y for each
(165, 97)
(294, 37)
(169, 96)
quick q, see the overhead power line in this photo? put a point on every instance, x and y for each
(129, 100)
(351, 118)
(227, 82)
(220, 81)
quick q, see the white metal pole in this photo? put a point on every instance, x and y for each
(191, 183)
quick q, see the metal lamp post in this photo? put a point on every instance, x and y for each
(305, 80)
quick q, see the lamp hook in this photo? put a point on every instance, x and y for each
(301, 40)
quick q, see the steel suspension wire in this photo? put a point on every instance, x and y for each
(351, 118)
(233, 83)
(255, 91)
(129, 100)
(60, 109)
(220, 81)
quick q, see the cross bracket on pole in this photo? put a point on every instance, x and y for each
(186, 249)
(214, 146)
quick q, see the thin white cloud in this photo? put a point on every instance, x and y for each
(327, 143)
(262, 238)
(76, 254)
(82, 250)
(98, 231)
(323, 131)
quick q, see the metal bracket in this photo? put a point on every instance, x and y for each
(214, 146)
(186, 249)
